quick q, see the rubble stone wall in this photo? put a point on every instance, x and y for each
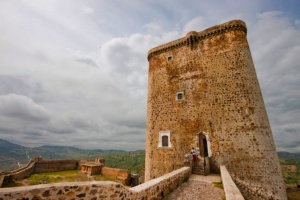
(37, 165)
(121, 175)
(154, 189)
(18, 174)
(55, 165)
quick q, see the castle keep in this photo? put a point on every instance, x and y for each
(203, 92)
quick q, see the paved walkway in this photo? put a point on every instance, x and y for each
(198, 187)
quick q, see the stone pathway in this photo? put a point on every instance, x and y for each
(198, 187)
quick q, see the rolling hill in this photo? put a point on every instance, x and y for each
(12, 154)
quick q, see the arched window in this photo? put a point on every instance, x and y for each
(165, 141)
(179, 96)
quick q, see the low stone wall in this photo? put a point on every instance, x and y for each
(121, 175)
(74, 190)
(38, 165)
(55, 165)
(160, 187)
(17, 174)
(231, 190)
(153, 189)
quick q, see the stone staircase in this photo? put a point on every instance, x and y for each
(198, 167)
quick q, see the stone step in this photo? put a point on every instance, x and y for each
(198, 167)
(195, 170)
(199, 172)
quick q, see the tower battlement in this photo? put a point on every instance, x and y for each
(194, 36)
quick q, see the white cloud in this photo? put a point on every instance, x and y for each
(21, 107)
(153, 27)
(87, 10)
(195, 24)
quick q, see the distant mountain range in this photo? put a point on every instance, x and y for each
(289, 156)
(11, 155)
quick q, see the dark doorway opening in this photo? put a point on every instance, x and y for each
(203, 146)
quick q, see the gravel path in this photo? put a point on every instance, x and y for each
(198, 187)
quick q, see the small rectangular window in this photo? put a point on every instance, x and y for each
(164, 139)
(179, 96)
(170, 58)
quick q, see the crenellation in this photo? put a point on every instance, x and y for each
(193, 38)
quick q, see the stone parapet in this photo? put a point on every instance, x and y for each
(37, 165)
(18, 174)
(231, 190)
(160, 187)
(194, 36)
(154, 189)
(121, 175)
(55, 165)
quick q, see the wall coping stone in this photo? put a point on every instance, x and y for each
(231, 190)
(155, 181)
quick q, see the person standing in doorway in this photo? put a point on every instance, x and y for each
(194, 154)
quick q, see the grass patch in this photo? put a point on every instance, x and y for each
(291, 179)
(101, 178)
(218, 185)
(57, 177)
(50, 177)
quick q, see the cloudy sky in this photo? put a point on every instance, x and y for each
(74, 72)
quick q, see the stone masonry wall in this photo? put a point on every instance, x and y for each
(154, 189)
(37, 165)
(18, 174)
(121, 175)
(55, 165)
(214, 71)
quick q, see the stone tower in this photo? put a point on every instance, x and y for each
(203, 92)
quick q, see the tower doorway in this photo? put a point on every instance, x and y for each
(203, 145)
(202, 165)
